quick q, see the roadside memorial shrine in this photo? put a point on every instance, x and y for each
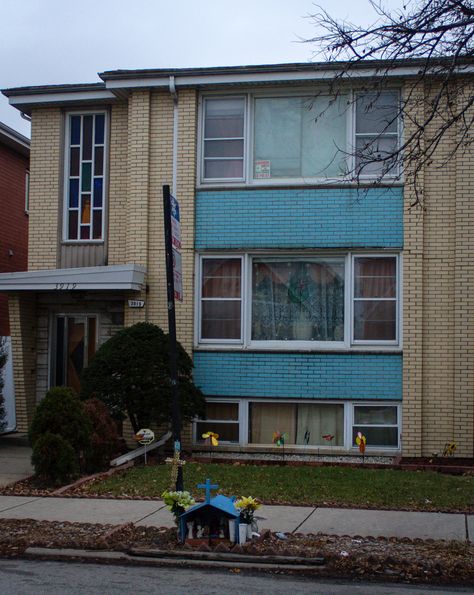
(212, 521)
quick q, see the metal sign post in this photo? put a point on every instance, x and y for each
(173, 354)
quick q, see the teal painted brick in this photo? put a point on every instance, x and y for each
(299, 375)
(302, 218)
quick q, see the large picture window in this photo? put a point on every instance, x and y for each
(85, 177)
(300, 299)
(260, 138)
(308, 301)
(304, 424)
(297, 137)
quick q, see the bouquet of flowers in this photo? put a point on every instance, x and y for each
(247, 506)
(177, 502)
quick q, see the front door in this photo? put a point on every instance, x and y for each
(75, 344)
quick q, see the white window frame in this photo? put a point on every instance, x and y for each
(244, 416)
(248, 169)
(200, 299)
(67, 135)
(379, 403)
(246, 342)
(397, 340)
(196, 420)
(202, 127)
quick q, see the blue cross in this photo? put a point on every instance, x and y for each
(208, 487)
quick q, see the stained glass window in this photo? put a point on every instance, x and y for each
(85, 174)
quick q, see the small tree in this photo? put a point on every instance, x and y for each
(130, 374)
(3, 361)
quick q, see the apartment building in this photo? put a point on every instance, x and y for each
(14, 176)
(313, 305)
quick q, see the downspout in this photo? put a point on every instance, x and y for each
(174, 94)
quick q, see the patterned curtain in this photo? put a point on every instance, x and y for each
(299, 300)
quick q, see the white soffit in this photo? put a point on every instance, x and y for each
(117, 277)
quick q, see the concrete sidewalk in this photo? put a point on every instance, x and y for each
(287, 519)
(15, 458)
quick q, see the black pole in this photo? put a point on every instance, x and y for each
(173, 354)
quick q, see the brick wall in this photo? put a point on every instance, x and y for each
(13, 221)
(297, 375)
(300, 218)
(438, 304)
(46, 179)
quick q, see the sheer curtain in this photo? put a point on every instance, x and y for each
(266, 418)
(298, 300)
(316, 421)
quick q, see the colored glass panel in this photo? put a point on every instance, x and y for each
(98, 192)
(99, 161)
(97, 225)
(86, 209)
(99, 129)
(84, 232)
(74, 161)
(72, 231)
(86, 177)
(87, 138)
(75, 130)
(74, 193)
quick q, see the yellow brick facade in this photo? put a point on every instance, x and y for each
(438, 258)
(438, 307)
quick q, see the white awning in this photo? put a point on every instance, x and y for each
(116, 277)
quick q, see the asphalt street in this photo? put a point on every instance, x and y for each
(27, 577)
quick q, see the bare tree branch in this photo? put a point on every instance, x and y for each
(437, 36)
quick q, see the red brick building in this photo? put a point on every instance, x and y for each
(14, 166)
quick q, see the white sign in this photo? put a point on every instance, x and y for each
(178, 275)
(262, 168)
(136, 303)
(175, 224)
(145, 436)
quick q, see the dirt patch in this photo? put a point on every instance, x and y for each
(367, 558)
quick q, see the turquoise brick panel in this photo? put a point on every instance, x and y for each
(299, 375)
(301, 218)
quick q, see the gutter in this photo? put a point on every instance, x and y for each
(174, 94)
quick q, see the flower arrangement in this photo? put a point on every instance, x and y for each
(177, 502)
(247, 506)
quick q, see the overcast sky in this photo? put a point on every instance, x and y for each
(61, 41)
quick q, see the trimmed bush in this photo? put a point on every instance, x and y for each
(61, 412)
(54, 458)
(104, 438)
(130, 374)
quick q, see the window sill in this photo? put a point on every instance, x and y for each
(312, 183)
(369, 349)
(81, 242)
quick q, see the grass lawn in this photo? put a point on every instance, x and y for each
(346, 486)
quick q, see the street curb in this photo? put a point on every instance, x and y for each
(123, 558)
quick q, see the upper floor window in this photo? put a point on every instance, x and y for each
(376, 133)
(288, 301)
(262, 138)
(85, 176)
(224, 125)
